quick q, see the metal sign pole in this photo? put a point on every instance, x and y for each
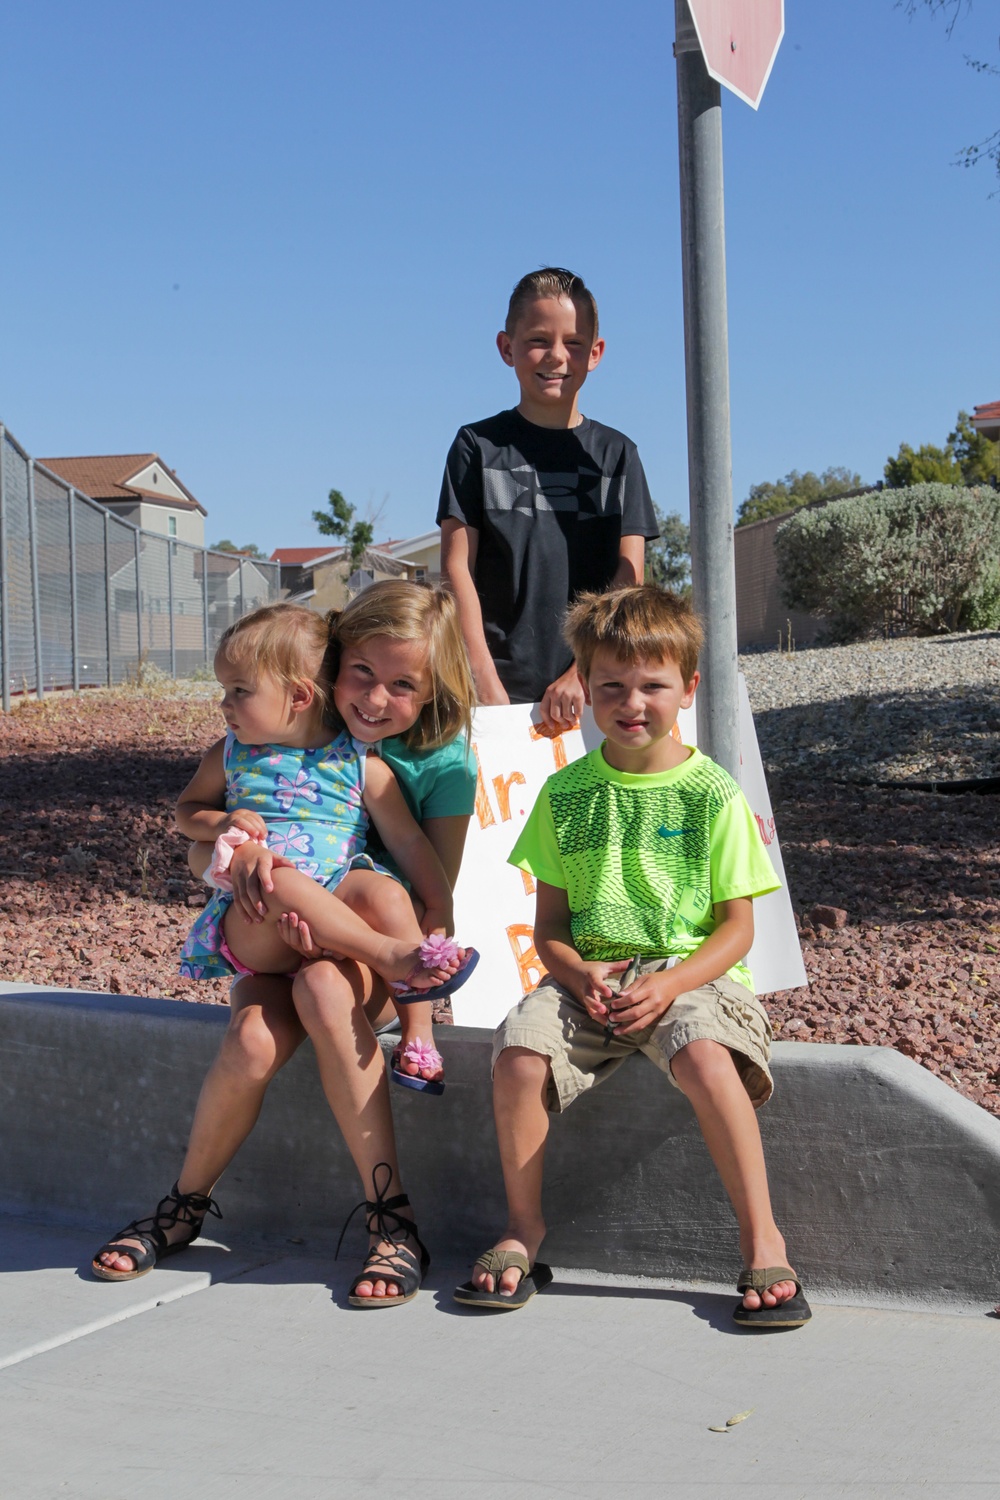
(706, 354)
(4, 577)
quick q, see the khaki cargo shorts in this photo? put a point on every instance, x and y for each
(550, 1021)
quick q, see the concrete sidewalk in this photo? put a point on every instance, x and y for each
(244, 1372)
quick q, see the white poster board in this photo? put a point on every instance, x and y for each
(494, 902)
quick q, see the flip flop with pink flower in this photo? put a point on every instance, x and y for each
(437, 952)
(426, 1059)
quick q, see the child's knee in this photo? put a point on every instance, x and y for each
(378, 900)
(520, 1067)
(322, 990)
(256, 1048)
(701, 1064)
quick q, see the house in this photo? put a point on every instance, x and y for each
(986, 419)
(317, 575)
(138, 487)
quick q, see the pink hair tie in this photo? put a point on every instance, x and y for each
(222, 856)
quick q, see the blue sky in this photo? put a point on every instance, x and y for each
(274, 243)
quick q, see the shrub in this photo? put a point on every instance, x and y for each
(919, 560)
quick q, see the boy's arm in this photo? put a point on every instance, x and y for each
(562, 702)
(554, 946)
(652, 995)
(459, 546)
(631, 562)
(201, 808)
(408, 845)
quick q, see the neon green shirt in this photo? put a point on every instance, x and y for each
(643, 859)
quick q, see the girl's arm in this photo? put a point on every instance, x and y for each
(201, 808)
(405, 841)
(446, 837)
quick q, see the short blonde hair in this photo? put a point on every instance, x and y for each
(406, 611)
(285, 641)
(640, 623)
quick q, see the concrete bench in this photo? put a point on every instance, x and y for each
(885, 1182)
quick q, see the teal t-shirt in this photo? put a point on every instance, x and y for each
(643, 859)
(437, 783)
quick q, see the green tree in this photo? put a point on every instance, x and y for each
(227, 546)
(668, 558)
(976, 456)
(775, 498)
(338, 520)
(924, 465)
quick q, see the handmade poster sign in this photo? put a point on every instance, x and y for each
(495, 903)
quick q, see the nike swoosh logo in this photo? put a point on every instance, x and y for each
(671, 833)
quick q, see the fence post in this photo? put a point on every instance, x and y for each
(138, 607)
(74, 633)
(170, 606)
(36, 613)
(204, 595)
(107, 591)
(4, 627)
(243, 608)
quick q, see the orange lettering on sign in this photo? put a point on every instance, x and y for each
(484, 811)
(530, 968)
(529, 884)
(502, 786)
(542, 732)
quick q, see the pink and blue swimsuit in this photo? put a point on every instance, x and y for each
(311, 803)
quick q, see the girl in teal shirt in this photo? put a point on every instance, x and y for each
(403, 659)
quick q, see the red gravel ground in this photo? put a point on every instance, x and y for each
(96, 893)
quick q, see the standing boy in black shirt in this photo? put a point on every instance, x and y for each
(539, 504)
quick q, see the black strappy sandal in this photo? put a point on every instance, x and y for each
(176, 1208)
(381, 1265)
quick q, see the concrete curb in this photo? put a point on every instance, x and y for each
(886, 1183)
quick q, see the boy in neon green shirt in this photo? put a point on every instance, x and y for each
(647, 859)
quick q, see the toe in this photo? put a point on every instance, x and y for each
(510, 1281)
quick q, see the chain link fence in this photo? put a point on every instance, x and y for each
(86, 599)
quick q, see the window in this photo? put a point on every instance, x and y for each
(171, 525)
(420, 575)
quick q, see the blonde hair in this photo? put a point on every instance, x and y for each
(640, 623)
(416, 612)
(285, 641)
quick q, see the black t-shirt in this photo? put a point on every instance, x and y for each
(550, 506)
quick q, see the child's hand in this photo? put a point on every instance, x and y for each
(437, 919)
(250, 822)
(250, 871)
(592, 989)
(644, 1002)
(295, 932)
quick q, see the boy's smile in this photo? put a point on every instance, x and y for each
(551, 351)
(635, 706)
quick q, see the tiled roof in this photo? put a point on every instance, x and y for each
(988, 413)
(293, 557)
(105, 477)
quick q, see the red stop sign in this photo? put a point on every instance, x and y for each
(739, 41)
